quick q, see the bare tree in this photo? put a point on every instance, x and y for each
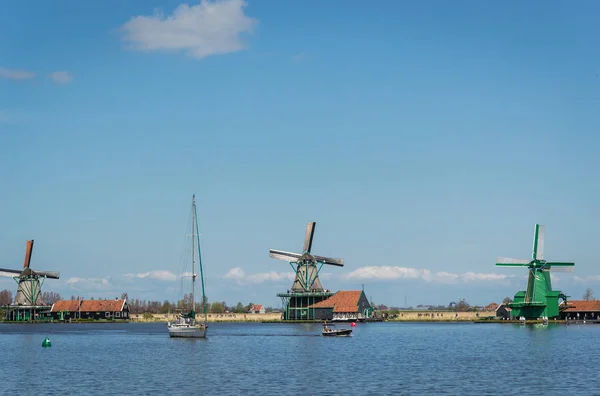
(462, 305)
(51, 297)
(6, 297)
(507, 300)
(589, 294)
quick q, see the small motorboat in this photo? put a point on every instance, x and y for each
(331, 331)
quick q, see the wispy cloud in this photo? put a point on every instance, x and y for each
(157, 274)
(239, 275)
(205, 29)
(61, 77)
(89, 284)
(388, 272)
(13, 74)
(396, 272)
(587, 279)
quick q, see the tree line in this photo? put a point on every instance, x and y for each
(137, 306)
(6, 297)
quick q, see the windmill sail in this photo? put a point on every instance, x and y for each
(307, 272)
(539, 244)
(511, 262)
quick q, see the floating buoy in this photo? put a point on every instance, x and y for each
(46, 342)
(353, 324)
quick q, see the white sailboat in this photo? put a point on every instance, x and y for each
(186, 324)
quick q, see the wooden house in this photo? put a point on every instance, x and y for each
(580, 310)
(503, 311)
(257, 309)
(345, 305)
(116, 309)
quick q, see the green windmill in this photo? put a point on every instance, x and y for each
(539, 300)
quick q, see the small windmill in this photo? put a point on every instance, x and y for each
(305, 264)
(539, 300)
(307, 289)
(29, 292)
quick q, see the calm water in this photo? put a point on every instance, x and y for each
(293, 359)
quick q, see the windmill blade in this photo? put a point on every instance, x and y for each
(28, 250)
(511, 262)
(9, 272)
(560, 269)
(281, 255)
(560, 266)
(308, 239)
(541, 236)
(48, 274)
(330, 261)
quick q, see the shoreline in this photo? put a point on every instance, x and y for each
(279, 321)
(275, 318)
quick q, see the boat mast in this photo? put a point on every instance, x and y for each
(193, 255)
(201, 270)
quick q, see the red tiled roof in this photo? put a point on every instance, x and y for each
(102, 305)
(491, 307)
(256, 307)
(88, 305)
(342, 301)
(65, 305)
(582, 306)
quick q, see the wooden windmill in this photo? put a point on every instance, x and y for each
(539, 300)
(306, 265)
(29, 291)
(307, 288)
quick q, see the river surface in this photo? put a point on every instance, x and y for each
(294, 359)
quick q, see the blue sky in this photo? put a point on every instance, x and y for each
(424, 139)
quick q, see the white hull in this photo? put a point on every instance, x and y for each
(187, 331)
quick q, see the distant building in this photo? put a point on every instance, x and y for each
(345, 305)
(503, 311)
(90, 309)
(257, 309)
(490, 307)
(580, 309)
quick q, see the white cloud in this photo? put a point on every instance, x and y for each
(89, 284)
(388, 272)
(12, 74)
(61, 77)
(205, 29)
(240, 276)
(395, 272)
(157, 274)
